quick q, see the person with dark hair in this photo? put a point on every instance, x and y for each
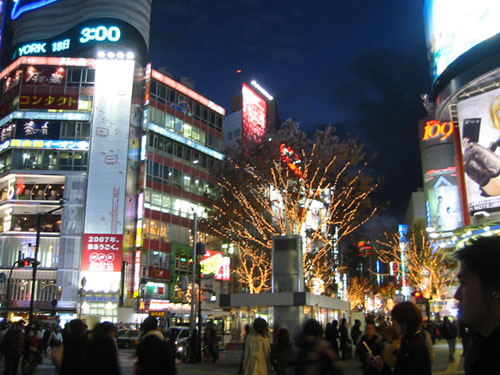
(29, 362)
(478, 296)
(332, 335)
(280, 352)
(14, 345)
(102, 352)
(74, 349)
(449, 333)
(369, 344)
(211, 342)
(356, 332)
(344, 340)
(414, 354)
(316, 356)
(154, 355)
(257, 357)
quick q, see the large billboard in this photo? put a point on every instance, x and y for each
(480, 134)
(105, 203)
(437, 150)
(453, 27)
(254, 110)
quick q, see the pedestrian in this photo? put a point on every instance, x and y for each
(449, 333)
(356, 332)
(257, 357)
(413, 357)
(211, 342)
(246, 331)
(316, 356)
(345, 346)
(479, 303)
(14, 346)
(44, 344)
(392, 345)
(102, 352)
(56, 337)
(154, 355)
(30, 359)
(372, 340)
(332, 335)
(280, 352)
(74, 349)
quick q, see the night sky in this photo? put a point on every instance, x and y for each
(359, 65)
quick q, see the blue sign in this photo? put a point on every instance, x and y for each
(45, 144)
(19, 7)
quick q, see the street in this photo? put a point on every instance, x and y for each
(440, 367)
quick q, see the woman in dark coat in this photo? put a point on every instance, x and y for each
(102, 353)
(74, 356)
(280, 352)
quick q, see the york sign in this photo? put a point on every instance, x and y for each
(435, 129)
(32, 48)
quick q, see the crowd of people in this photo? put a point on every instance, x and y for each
(403, 347)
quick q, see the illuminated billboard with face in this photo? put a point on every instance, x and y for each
(480, 133)
(254, 115)
(453, 27)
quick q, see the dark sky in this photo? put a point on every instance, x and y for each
(360, 65)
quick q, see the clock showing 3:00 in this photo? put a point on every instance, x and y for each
(100, 34)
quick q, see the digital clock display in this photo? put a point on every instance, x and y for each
(81, 39)
(100, 34)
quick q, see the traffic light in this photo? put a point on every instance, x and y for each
(418, 297)
(28, 262)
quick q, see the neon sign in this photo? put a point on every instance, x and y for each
(100, 34)
(434, 129)
(291, 159)
(17, 9)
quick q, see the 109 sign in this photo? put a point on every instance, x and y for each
(434, 129)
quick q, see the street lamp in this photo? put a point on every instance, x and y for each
(39, 218)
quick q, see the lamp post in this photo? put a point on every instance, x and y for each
(192, 322)
(39, 218)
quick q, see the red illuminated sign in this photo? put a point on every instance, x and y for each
(102, 252)
(434, 129)
(254, 115)
(68, 102)
(291, 159)
(213, 263)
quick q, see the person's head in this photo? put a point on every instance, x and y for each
(312, 328)
(246, 329)
(478, 293)
(407, 317)
(357, 322)
(149, 324)
(283, 336)
(370, 329)
(19, 325)
(335, 323)
(343, 321)
(103, 330)
(260, 326)
(446, 320)
(77, 329)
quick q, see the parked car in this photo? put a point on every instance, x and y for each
(180, 337)
(127, 338)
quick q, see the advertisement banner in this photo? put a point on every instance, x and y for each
(102, 253)
(48, 101)
(480, 135)
(437, 150)
(45, 76)
(254, 115)
(105, 200)
(39, 129)
(452, 28)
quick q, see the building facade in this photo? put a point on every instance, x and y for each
(83, 118)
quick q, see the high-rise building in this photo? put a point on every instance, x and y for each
(84, 118)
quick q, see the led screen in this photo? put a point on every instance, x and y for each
(480, 134)
(254, 115)
(453, 27)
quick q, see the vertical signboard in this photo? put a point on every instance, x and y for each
(480, 134)
(254, 115)
(437, 150)
(107, 166)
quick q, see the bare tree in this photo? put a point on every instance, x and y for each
(288, 185)
(357, 290)
(429, 268)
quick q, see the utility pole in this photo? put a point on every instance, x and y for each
(192, 317)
